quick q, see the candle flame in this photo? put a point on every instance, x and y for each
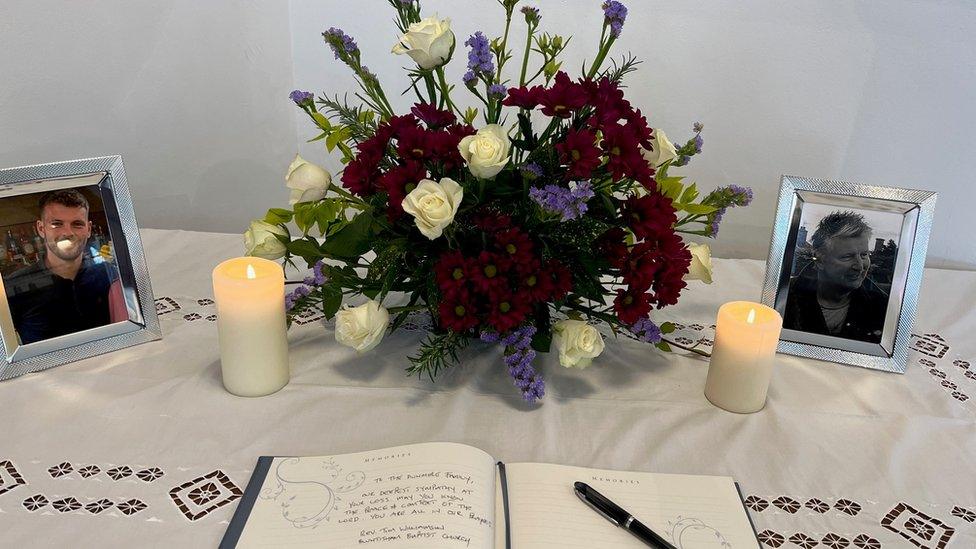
(250, 271)
(752, 316)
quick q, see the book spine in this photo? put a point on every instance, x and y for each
(504, 482)
(236, 527)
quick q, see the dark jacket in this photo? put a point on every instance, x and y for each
(865, 316)
(44, 305)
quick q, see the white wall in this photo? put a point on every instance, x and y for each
(193, 94)
(879, 92)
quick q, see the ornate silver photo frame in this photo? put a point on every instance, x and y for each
(844, 270)
(74, 278)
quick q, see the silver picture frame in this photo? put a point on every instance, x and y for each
(107, 175)
(917, 208)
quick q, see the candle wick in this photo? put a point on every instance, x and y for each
(250, 271)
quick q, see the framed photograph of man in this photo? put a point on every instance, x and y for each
(844, 270)
(74, 278)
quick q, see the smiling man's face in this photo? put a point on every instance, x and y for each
(65, 230)
(845, 261)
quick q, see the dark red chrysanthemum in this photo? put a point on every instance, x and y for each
(580, 152)
(398, 182)
(400, 123)
(631, 305)
(491, 221)
(516, 245)
(649, 216)
(452, 271)
(488, 274)
(637, 126)
(562, 279)
(361, 173)
(535, 283)
(432, 116)
(444, 148)
(613, 247)
(414, 143)
(620, 147)
(676, 259)
(525, 98)
(641, 266)
(564, 97)
(608, 101)
(507, 310)
(458, 312)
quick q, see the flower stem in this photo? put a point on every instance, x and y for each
(525, 57)
(446, 91)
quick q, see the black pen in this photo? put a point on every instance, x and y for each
(612, 512)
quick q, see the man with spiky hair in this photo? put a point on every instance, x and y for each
(834, 295)
(65, 291)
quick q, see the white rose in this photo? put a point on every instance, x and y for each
(261, 240)
(308, 182)
(701, 263)
(663, 150)
(578, 343)
(486, 152)
(428, 42)
(363, 327)
(433, 205)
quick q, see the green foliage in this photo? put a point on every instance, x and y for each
(667, 327)
(352, 240)
(386, 268)
(358, 126)
(307, 248)
(331, 299)
(437, 352)
(277, 216)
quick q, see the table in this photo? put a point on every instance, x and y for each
(144, 448)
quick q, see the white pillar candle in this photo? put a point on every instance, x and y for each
(746, 335)
(251, 325)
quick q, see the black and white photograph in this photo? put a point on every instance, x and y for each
(843, 266)
(844, 269)
(59, 273)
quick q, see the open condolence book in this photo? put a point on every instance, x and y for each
(445, 495)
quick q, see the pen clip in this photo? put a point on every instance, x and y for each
(582, 491)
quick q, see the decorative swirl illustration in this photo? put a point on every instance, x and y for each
(308, 489)
(691, 533)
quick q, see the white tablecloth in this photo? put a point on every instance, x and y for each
(144, 448)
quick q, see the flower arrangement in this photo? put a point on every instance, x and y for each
(556, 210)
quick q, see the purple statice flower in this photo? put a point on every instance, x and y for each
(295, 295)
(497, 91)
(698, 143)
(532, 171)
(697, 127)
(340, 42)
(646, 331)
(568, 203)
(469, 78)
(318, 277)
(531, 14)
(301, 98)
(614, 14)
(479, 58)
(741, 196)
(518, 357)
(489, 336)
(713, 221)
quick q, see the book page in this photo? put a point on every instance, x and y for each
(423, 495)
(691, 512)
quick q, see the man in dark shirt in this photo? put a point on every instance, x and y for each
(65, 291)
(835, 296)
